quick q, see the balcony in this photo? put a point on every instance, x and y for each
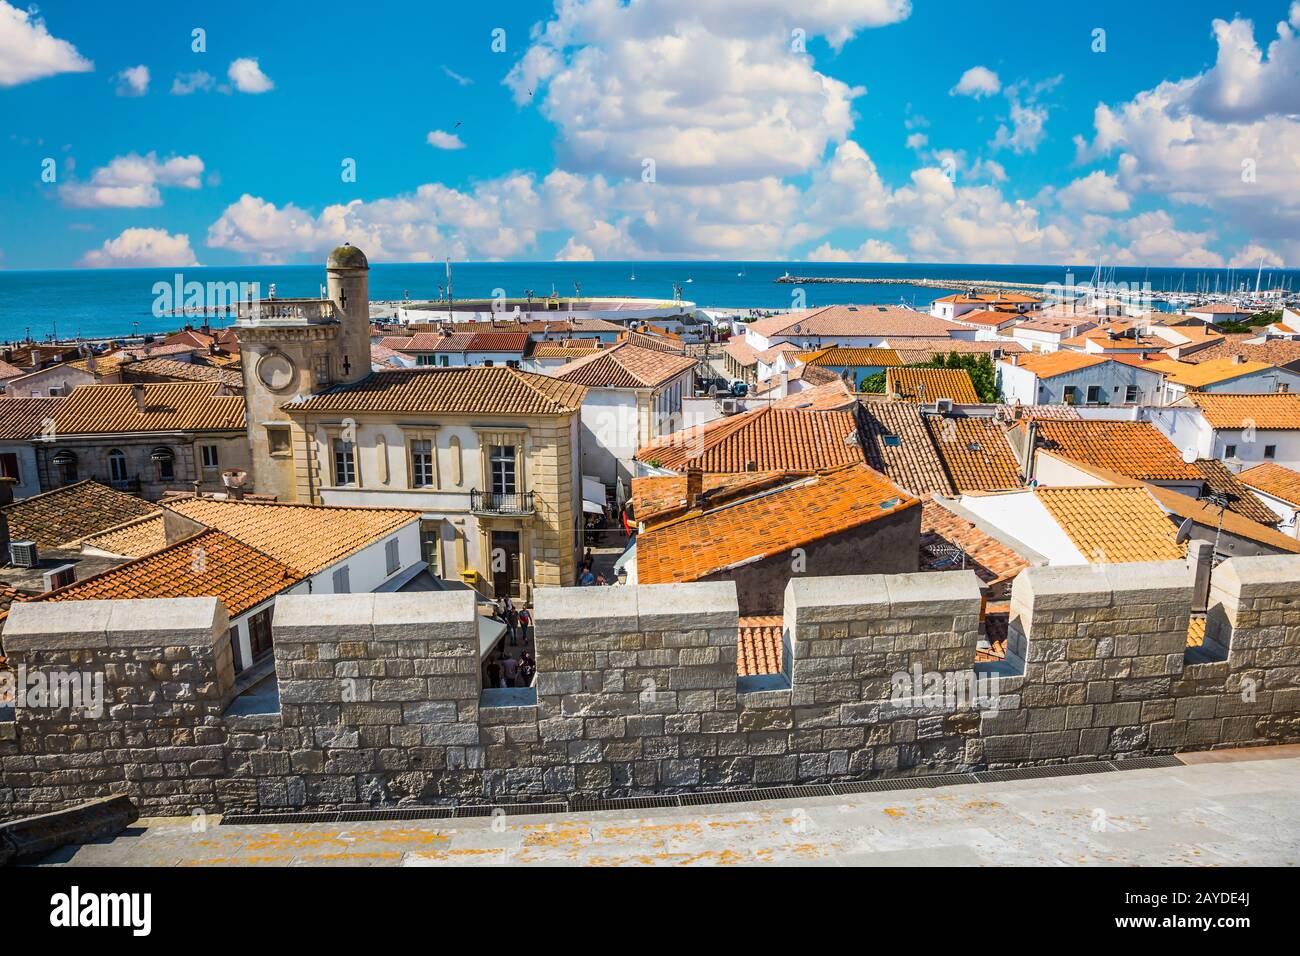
(290, 310)
(498, 503)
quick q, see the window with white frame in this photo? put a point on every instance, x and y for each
(502, 463)
(345, 462)
(210, 457)
(421, 463)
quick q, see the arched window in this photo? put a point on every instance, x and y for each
(65, 462)
(165, 460)
(116, 465)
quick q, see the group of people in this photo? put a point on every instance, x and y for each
(516, 621)
(588, 577)
(505, 670)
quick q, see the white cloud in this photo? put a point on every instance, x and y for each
(977, 82)
(712, 92)
(460, 80)
(1096, 192)
(28, 51)
(575, 252)
(443, 140)
(1255, 256)
(248, 77)
(199, 81)
(917, 140)
(133, 181)
(1245, 83)
(873, 250)
(133, 81)
(141, 248)
(1026, 130)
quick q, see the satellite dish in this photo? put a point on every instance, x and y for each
(1189, 455)
(1184, 531)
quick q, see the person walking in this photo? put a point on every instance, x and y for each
(494, 672)
(527, 669)
(512, 623)
(510, 667)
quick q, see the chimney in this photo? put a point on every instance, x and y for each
(694, 486)
(6, 498)
(36, 358)
(1238, 359)
(137, 393)
(1027, 453)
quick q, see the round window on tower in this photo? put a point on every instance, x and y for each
(276, 371)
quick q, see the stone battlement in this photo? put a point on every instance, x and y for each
(637, 692)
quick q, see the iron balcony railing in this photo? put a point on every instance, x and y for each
(501, 503)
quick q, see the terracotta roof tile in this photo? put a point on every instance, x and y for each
(741, 351)
(659, 341)
(104, 409)
(926, 385)
(831, 396)
(210, 564)
(134, 539)
(763, 439)
(1112, 525)
(22, 418)
(495, 390)
(658, 497)
(1206, 515)
(149, 370)
(852, 357)
(900, 446)
(625, 366)
(308, 538)
(65, 515)
(915, 351)
(1220, 479)
(996, 564)
(1273, 479)
(1135, 449)
(1274, 352)
(1206, 373)
(1275, 411)
(759, 646)
(884, 320)
(768, 523)
(975, 453)
(1062, 362)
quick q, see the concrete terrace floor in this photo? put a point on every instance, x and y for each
(1228, 808)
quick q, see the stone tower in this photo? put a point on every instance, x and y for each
(294, 348)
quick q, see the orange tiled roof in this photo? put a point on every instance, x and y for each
(625, 366)
(1112, 525)
(831, 396)
(900, 446)
(171, 370)
(1206, 373)
(1273, 479)
(659, 341)
(852, 357)
(562, 351)
(1219, 478)
(104, 409)
(22, 418)
(995, 563)
(763, 439)
(1050, 364)
(1135, 449)
(134, 539)
(1275, 351)
(759, 647)
(66, 515)
(915, 351)
(308, 538)
(1206, 515)
(658, 497)
(975, 452)
(1275, 411)
(210, 564)
(769, 523)
(741, 351)
(494, 390)
(989, 317)
(911, 384)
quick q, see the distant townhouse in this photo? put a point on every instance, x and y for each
(463, 348)
(1046, 333)
(1282, 353)
(1075, 378)
(953, 307)
(1218, 312)
(851, 364)
(1242, 430)
(857, 326)
(145, 439)
(633, 395)
(489, 455)
(990, 321)
(1235, 375)
(1117, 338)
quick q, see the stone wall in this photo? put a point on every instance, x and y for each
(637, 692)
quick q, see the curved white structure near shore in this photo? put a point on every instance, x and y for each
(612, 309)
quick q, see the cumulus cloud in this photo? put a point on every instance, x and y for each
(443, 140)
(873, 250)
(1096, 192)
(133, 181)
(29, 52)
(712, 92)
(133, 81)
(247, 76)
(199, 81)
(1245, 83)
(141, 248)
(977, 82)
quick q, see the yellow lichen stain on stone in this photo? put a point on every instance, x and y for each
(556, 837)
(895, 812)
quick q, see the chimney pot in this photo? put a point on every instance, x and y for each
(694, 486)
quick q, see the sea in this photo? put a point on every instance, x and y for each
(41, 305)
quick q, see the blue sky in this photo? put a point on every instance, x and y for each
(867, 130)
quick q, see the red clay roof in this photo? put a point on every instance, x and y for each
(495, 390)
(764, 439)
(625, 366)
(769, 523)
(1135, 449)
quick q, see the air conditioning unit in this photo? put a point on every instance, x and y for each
(943, 406)
(59, 577)
(22, 554)
(729, 406)
(56, 391)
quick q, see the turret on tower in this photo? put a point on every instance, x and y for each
(348, 276)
